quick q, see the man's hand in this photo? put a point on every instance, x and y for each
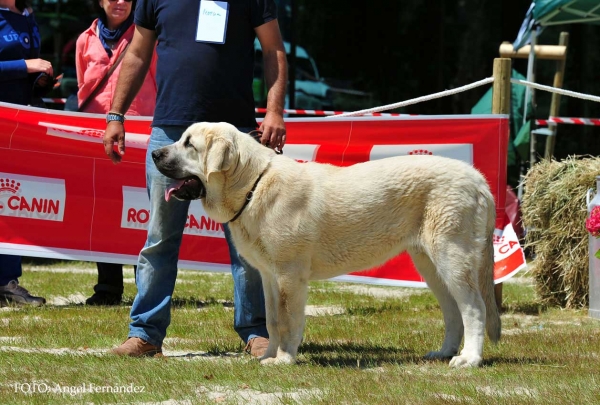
(273, 131)
(115, 132)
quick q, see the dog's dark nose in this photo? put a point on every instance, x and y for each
(158, 154)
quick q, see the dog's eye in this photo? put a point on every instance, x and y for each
(187, 143)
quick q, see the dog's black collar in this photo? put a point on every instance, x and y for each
(249, 196)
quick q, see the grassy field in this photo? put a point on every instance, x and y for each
(362, 345)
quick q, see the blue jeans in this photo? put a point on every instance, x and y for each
(10, 268)
(157, 262)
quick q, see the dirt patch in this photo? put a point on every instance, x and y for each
(383, 292)
(514, 324)
(53, 269)
(60, 352)
(323, 310)
(131, 280)
(73, 299)
(528, 281)
(508, 392)
(249, 396)
(11, 339)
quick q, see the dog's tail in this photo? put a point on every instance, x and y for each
(486, 279)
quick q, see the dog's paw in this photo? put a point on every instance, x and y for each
(277, 360)
(463, 361)
(267, 361)
(438, 355)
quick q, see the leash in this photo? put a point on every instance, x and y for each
(256, 134)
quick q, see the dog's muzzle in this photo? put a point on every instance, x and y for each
(186, 189)
(183, 187)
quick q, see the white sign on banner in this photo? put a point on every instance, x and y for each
(32, 197)
(136, 215)
(458, 151)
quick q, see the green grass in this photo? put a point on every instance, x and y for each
(369, 354)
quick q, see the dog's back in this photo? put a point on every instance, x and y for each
(371, 212)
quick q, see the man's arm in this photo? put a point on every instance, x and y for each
(275, 67)
(131, 77)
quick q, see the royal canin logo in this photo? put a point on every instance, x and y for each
(140, 217)
(9, 185)
(32, 197)
(505, 242)
(136, 215)
(420, 152)
(459, 151)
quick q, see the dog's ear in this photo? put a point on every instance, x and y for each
(217, 157)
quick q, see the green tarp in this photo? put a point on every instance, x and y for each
(553, 12)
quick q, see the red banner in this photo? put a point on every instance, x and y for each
(61, 197)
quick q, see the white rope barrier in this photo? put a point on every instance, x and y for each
(377, 110)
(556, 90)
(416, 100)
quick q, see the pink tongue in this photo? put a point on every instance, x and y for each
(174, 187)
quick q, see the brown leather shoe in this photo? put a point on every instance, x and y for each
(257, 346)
(136, 347)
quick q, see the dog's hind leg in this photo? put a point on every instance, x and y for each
(290, 300)
(452, 318)
(456, 259)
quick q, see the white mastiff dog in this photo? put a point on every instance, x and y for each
(297, 222)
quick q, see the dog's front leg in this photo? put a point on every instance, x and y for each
(271, 303)
(291, 294)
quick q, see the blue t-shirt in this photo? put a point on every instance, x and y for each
(19, 40)
(200, 81)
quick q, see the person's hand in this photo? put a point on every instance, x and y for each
(39, 65)
(273, 131)
(115, 132)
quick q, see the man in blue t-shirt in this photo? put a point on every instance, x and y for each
(204, 73)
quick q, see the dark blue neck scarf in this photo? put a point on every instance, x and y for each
(112, 35)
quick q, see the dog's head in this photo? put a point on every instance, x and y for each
(203, 150)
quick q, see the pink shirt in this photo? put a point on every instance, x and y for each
(93, 62)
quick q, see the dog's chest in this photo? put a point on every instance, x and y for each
(250, 245)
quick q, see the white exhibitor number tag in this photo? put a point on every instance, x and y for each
(212, 21)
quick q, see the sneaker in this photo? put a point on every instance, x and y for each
(257, 346)
(136, 347)
(104, 298)
(13, 293)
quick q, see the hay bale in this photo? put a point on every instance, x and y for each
(554, 212)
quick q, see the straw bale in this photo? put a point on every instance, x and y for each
(554, 212)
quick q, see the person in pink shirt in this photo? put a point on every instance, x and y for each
(98, 48)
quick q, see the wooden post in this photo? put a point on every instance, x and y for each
(530, 95)
(501, 89)
(548, 52)
(555, 104)
(501, 105)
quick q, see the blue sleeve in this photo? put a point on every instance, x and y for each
(13, 69)
(262, 11)
(144, 15)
